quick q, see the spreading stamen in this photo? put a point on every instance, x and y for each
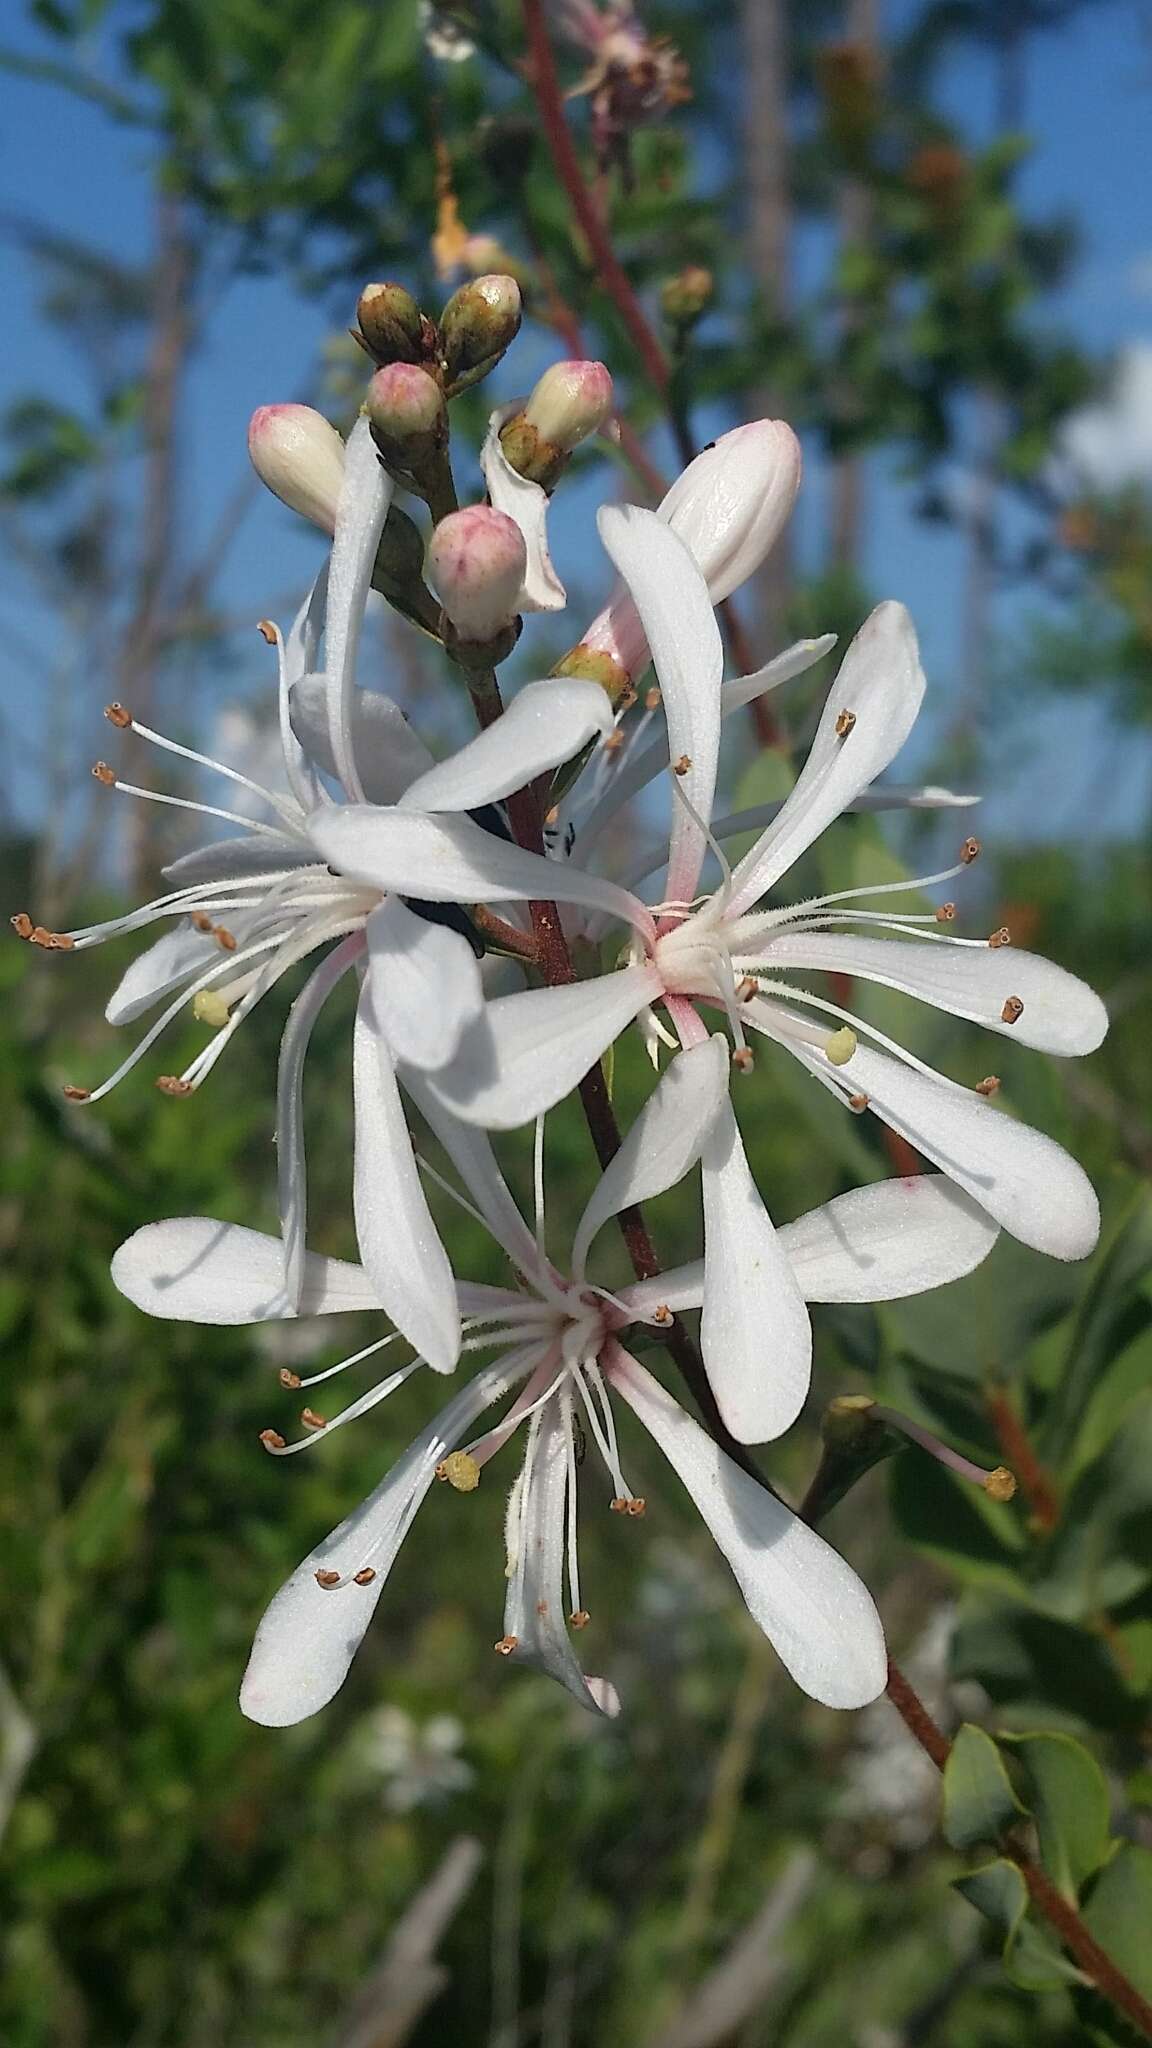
(122, 718)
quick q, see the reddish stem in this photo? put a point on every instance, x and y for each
(1035, 1483)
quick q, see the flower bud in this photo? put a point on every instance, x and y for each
(391, 323)
(571, 401)
(477, 559)
(686, 296)
(479, 322)
(300, 456)
(407, 412)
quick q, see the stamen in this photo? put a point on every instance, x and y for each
(990, 1085)
(357, 1358)
(652, 699)
(506, 1645)
(841, 1046)
(570, 1501)
(858, 1104)
(364, 1576)
(74, 1094)
(970, 851)
(104, 774)
(272, 1440)
(22, 925)
(210, 1008)
(461, 1471)
(311, 1420)
(285, 810)
(580, 1619)
(742, 1058)
(629, 1504)
(538, 1186)
(746, 989)
(1013, 1010)
(173, 1084)
(118, 716)
(845, 724)
(289, 1379)
(945, 913)
(998, 1484)
(224, 939)
(327, 1579)
(1003, 937)
(682, 766)
(613, 741)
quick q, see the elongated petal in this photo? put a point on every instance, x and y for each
(247, 855)
(755, 1335)
(426, 988)
(398, 1240)
(1029, 1184)
(817, 1615)
(178, 956)
(534, 1608)
(729, 505)
(471, 1154)
(802, 655)
(546, 723)
(679, 624)
(192, 1269)
(1060, 1013)
(527, 504)
(450, 860)
(880, 687)
(389, 754)
(310, 1633)
(365, 496)
(540, 1043)
(291, 1162)
(880, 1243)
(663, 1143)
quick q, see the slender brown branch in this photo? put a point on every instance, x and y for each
(1062, 1917)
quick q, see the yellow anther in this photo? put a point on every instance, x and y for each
(461, 1471)
(1000, 1484)
(840, 1047)
(210, 1008)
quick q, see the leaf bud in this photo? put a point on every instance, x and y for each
(299, 455)
(408, 415)
(477, 560)
(480, 321)
(391, 323)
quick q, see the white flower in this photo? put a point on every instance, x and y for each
(248, 908)
(728, 950)
(557, 1339)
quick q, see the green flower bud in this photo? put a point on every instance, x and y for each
(479, 322)
(391, 324)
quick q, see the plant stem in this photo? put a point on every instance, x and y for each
(1060, 1915)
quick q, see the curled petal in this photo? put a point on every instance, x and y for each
(527, 504)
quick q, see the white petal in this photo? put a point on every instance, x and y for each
(539, 1044)
(193, 1269)
(178, 956)
(802, 655)
(534, 1613)
(545, 723)
(1029, 1184)
(880, 685)
(729, 504)
(389, 754)
(426, 987)
(1060, 1015)
(663, 1143)
(676, 613)
(247, 855)
(755, 1336)
(291, 1163)
(880, 1243)
(310, 1633)
(398, 1240)
(527, 504)
(471, 1154)
(365, 496)
(447, 859)
(680, 1287)
(814, 1610)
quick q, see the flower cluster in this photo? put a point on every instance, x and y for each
(381, 863)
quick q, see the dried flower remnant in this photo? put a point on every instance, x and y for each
(634, 78)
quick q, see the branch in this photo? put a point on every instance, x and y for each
(735, 1990)
(407, 1978)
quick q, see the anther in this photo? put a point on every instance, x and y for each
(628, 699)
(272, 1439)
(287, 1378)
(652, 700)
(662, 1314)
(580, 1619)
(629, 1504)
(311, 1420)
(742, 1059)
(746, 989)
(364, 1576)
(1001, 938)
(202, 921)
(267, 631)
(613, 741)
(552, 817)
(22, 925)
(104, 774)
(1000, 1484)
(224, 939)
(858, 1104)
(461, 1471)
(844, 724)
(117, 715)
(327, 1579)
(990, 1085)
(682, 766)
(173, 1084)
(945, 913)
(840, 1047)
(208, 1007)
(60, 942)
(1013, 1010)
(969, 851)
(506, 1645)
(41, 936)
(72, 1094)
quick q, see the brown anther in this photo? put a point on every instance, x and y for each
(1003, 937)
(60, 942)
(682, 766)
(580, 1619)
(272, 1439)
(858, 1104)
(22, 924)
(224, 939)
(619, 1506)
(1013, 1010)
(844, 724)
(41, 936)
(364, 1576)
(990, 1085)
(613, 741)
(287, 1378)
(969, 851)
(636, 1506)
(652, 700)
(506, 1645)
(311, 1420)
(746, 989)
(72, 1094)
(742, 1059)
(628, 699)
(117, 715)
(945, 913)
(202, 921)
(327, 1579)
(662, 1314)
(552, 816)
(172, 1084)
(104, 774)
(267, 631)
(1000, 1484)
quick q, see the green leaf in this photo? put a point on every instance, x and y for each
(979, 1802)
(1032, 1661)
(1119, 1914)
(1031, 1957)
(1094, 1339)
(1070, 1803)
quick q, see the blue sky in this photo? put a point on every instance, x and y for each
(1089, 107)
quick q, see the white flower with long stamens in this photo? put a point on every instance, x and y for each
(556, 1337)
(729, 949)
(249, 908)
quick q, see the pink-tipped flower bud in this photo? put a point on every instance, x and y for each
(408, 415)
(479, 322)
(300, 456)
(477, 560)
(571, 401)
